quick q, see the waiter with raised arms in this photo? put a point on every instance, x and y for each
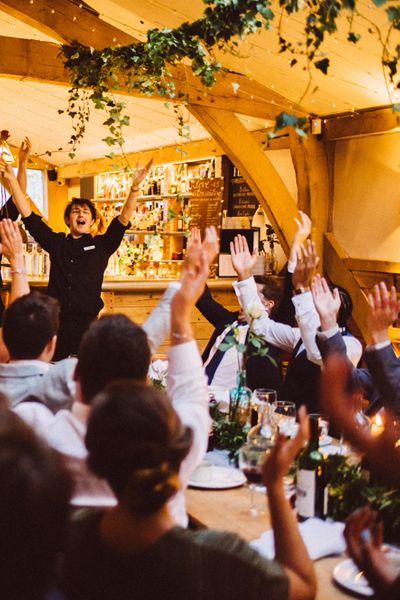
(78, 260)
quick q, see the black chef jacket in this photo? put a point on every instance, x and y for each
(77, 265)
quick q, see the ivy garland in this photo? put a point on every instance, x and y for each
(96, 74)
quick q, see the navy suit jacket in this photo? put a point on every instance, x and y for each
(385, 369)
(360, 378)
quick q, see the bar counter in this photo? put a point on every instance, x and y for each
(137, 298)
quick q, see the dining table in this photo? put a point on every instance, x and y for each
(228, 509)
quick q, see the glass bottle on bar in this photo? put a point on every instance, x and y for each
(310, 480)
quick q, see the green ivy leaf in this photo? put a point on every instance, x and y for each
(353, 37)
(322, 65)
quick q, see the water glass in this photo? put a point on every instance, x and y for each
(284, 417)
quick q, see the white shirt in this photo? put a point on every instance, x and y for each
(284, 336)
(225, 374)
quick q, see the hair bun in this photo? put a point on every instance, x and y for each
(149, 489)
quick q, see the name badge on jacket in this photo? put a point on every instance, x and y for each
(89, 247)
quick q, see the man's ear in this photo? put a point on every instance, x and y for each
(48, 351)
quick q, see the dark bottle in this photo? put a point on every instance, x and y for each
(310, 484)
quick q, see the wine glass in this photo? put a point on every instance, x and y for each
(284, 417)
(251, 459)
(263, 399)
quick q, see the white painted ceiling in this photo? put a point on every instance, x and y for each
(355, 80)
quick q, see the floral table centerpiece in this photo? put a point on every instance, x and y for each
(230, 430)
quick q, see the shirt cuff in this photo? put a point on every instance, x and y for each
(185, 356)
(291, 265)
(328, 333)
(303, 302)
(238, 285)
(378, 346)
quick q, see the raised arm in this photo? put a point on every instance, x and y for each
(186, 381)
(11, 246)
(306, 315)
(303, 232)
(23, 156)
(290, 550)
(281, 335)
(20, 199)
(379, 354)
(129, 205)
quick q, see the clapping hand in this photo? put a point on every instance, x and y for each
(326, 302)
(242, 260)
(384, 309)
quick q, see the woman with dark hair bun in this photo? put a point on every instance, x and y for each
(137, 442)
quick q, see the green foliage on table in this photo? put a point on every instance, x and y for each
(349, 489)
(228, 435)
(96, 74)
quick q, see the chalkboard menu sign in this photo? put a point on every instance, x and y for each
(206, 202)
(242, 202)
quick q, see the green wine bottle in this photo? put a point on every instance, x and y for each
(310, 484)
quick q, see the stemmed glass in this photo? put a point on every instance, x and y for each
(263, 399)
(284, 417)
(251, 459)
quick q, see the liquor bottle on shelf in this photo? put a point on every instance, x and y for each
(310, 484)
(180, 220)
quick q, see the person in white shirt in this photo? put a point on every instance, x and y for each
(115, 348)
(301, 384)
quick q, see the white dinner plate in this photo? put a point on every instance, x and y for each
(325, 440)
(349, 576)
(216, 478)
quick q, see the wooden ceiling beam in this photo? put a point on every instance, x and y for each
(32, 60)
(40, 61)
(366, 122)
(251, 160)
(65, 21)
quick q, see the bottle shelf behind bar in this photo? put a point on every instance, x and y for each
(155, 245)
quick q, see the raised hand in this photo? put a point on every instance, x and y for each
(303, 223)
(25, 150)
(384, 309)
(326, 302)
(138, 174)
(285, 451)
(306, 263)
(6, 169)
(242, 260)
(11, 241)
(209, 244)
